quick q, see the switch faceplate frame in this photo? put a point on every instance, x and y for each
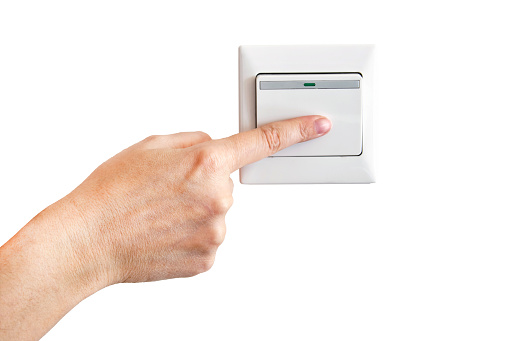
(307, 59)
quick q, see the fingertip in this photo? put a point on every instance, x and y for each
(322, 126)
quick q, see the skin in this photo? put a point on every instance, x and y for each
(154, 211)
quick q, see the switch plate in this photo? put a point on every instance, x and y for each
(342, 158)
(336, 96)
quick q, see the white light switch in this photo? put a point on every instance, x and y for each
(278, 82)
(334, 95)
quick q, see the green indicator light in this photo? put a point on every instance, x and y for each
(309, 84)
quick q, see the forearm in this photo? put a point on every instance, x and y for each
(42, 276)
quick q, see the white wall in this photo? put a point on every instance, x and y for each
(420, 255)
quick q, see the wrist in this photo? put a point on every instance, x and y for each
(57, 245)
(83, 256)
(48, 264)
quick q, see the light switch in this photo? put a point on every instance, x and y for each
(278, 82)
(334, 95)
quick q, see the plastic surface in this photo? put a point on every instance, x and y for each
(342, 106)
(307, 59)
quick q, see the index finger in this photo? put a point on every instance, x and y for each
(251, 146)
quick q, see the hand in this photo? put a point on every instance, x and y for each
(154, 211)
(157, 209)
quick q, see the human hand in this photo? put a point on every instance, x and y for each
(157, 209)
(154, 211)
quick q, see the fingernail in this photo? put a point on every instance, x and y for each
(322, 126)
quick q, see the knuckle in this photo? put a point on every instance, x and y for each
(304, 132)
(205, 263)
(215, 236)
(207, 158)
(153, 141)
(151, 138)
(203, 135)
(221, 205)
(271, 136)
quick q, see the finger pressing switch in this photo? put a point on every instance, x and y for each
(334, 95)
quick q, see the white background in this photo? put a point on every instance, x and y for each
(420, 255)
